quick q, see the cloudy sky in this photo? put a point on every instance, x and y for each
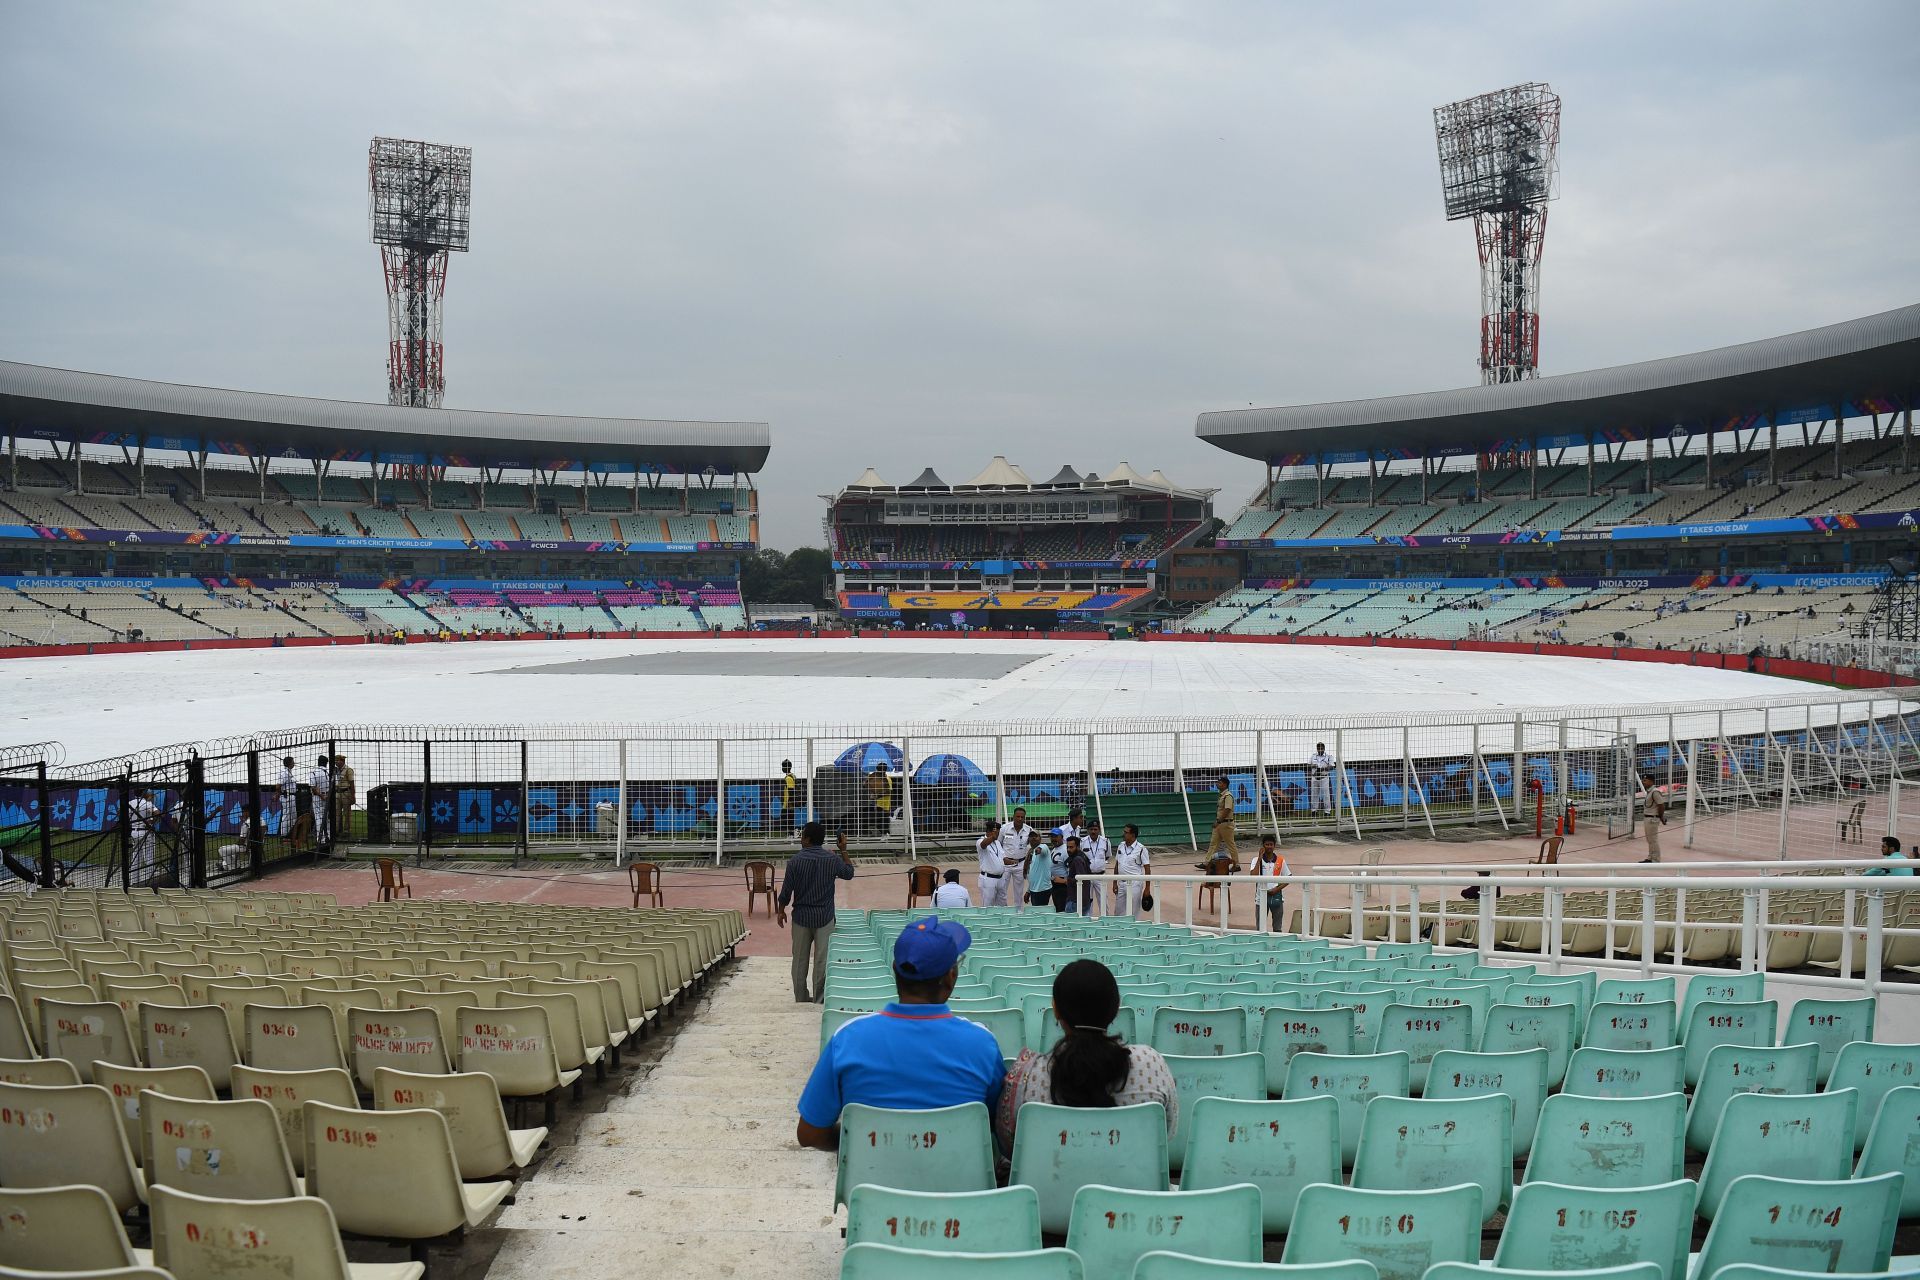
(916, 233)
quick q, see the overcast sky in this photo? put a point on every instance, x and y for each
(913, 233)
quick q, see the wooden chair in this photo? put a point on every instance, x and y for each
(1853, 820)
(922, 879)
(759, 881)
(644, 879)
(1549, 853)
(393, 880)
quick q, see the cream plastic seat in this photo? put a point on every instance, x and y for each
(69, 1136)
(85, 1032)
(404, 1039)
(476, 1121)
(392, 1175)
(234, 1148)
(126, 1084)
(14, 1041)
(446, 1003)
(597, 1029)
(570, 1039)
(515, 1046)
(188, 1036)
(288, 1239)
(32, 995)
(63, 1229)
(287, 1092)
(41, 1071)
(301, 1037)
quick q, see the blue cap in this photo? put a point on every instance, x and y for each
(928, 949)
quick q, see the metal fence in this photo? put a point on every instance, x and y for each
(233, 808)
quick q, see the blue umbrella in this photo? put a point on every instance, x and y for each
(862, 756)
(950, 771)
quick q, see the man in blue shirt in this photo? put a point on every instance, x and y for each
(913, 1054)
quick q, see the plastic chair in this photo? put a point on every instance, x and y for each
(1609, 1142)
(1631, 1027)
(1891, 1147)
(884, 1262)
(1177, 1266)
(1802, 1132)
(287, 1092)
(922, 879)
(1196, 1032)
(393, 880)
(392, 1175)
(1006, 1220)
(404, 1039)
(1846, 1225)
(1280, 1147)
(1415, 1144)
(234, 1149)
(1402, 1233)
(302, 1037)
(1712, 1023)
(1420, 1031)
(1634, 990)
(1831, 1024)
(1555, 1227)
(515, 1046)
(70, 1228)
(293, 1239)
(41, 1071)
(61, 1135)
(571, 1038)
(1008, 1027)
(759, 883)
(1462, 1271)
(938, 1149)
(643, 878)
(1734, 1068)
(1058, 1150)
(188, 1036)
(483, 1145)
(1112, 1227)
(1872, 1070)
(1520, 1075)
(85, 1032)
(1240, 1075)
(1285, 1031)
(1732, 988)
(1513, 1027)
(1353, 1081)
(1625, 1073)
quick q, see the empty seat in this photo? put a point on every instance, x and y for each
(1006, 1220)
(1198, 1032)
(1415, 1144)
(1057, 1150)
(1111, 1227)
(483, 1145)
(1609, 1142)
(126, 1084)
(59, 1135)
(1178, 1266)
(1830, 1024)
(1711, 1023)
(1511, 1027)
(392, 1174)
(885, 1262)
(188, 1036)
(70, 1228)
(234, 1149)
(1353, 1081)
(939, 1149)
(291, 1037)
(1892, 1146)
(1841, 1225)
(1762, 1132)
(1625, 1073)
(38, 1071)
(1563, 1228)
(1402, 1233)
(1462, 1271)
(1420, 1031)
(1280, 1147)
(1871, 1070)
(1651, 1025)
(1239, 1075)
(1735, 1068)
(288, 1239)
(515, 1046)
(83, 1032)
(403, 1039)
(288, 1092)
(1520, 1075)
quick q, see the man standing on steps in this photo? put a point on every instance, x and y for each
(808, 884)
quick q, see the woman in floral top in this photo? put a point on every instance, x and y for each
(1087, 1067)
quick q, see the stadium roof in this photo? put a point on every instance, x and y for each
(1004, 476)
(1875, 357)
(82, 405)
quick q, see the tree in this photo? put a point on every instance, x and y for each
(777, 577)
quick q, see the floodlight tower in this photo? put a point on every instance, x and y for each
(419, 199)
(1499, 165)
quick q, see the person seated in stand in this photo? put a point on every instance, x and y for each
(1088, 1066)
(1895, 861)
(950, 892)
(912, 1055)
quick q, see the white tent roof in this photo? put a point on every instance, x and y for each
(1123, 474)
(1000, 474)
(1160, 478)
(869, 479)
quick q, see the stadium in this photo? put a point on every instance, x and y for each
(1473, 854)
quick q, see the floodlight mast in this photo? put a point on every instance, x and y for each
(1500, 165)
(420, 197)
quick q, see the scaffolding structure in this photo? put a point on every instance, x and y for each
(419, 204)
(1499, 165)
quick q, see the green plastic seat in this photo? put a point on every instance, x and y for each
(1280, 1147)
(1402, 1233)
(1058, 1150)
(1520, 1075)
(1570, 988)
(1285, 1032)
(1892, 1145)
(1420, 1031)
(1188, 1032)
(1512, 1027)
(1712, 1023)
(1008, 1027)
(1367, 1007)
(1831, 1024)
(1732, 988)
(1174, 1266)
(1625, 1073)
(1352, 1081)
(1461, 1271)
(1122, 1026)
(1872, 1070)
(1112, 1227)
(1610, 1142)
(1240, 1075)
(884, 1262)
(1256, 1003)
(831, 1020)
(1634, 990)
(1845, 1224)
(1552, 1227)
(941, 1149)
(1631, 1026)
(1419, 1144)
(1461, 991)
(1747, 1271)
(1006, 1220)
(1763, 1133)
(1738, 1068)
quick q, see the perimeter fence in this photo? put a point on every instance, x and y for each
(213, 812)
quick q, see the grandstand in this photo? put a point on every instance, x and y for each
(135, 510)
(1001, 551)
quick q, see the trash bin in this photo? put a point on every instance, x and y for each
(404, 828)
(605, 821)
